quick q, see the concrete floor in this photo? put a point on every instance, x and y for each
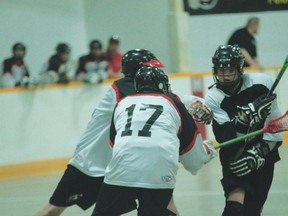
(199, 195)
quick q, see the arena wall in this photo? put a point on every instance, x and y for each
(41, 127)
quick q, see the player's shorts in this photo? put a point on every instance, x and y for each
(256, 186)
(252, 183)
(76, 188)
(117, 200)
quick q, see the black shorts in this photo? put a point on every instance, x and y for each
(256, 186)
(76, 188)
(116, 200)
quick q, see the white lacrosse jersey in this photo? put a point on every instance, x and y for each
(93, 152)
(148, 132)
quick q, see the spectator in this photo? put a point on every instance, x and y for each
(56, 70)
(14, 68)
(244, 38)
(92, 68)
(114, 56)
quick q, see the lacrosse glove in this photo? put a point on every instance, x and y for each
(257, 110)
(248, 162)
(200, 112)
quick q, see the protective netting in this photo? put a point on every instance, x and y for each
(277, 125)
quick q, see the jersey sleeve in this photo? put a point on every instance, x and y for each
(81, 66)
(53, 65)
(112, 131)
(107, 103)
(193, 154)
(6, 66)
(196, 157)
(27, 73)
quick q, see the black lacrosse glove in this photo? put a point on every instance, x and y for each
(251, 160)
(257, 110)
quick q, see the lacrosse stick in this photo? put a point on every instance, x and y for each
(275, 125)
(278, 78)
(285, 65)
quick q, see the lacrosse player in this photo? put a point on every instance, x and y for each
(85, 172)
(241, 105)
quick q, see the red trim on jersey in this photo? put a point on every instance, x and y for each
(167, 98)
(190, 146)
(111, 143)
(207, 149)
(177, 97)
(116, 92)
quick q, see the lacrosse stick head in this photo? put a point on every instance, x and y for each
(277, 125)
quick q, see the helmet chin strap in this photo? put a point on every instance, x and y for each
(231, 88)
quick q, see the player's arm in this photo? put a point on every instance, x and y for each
(53, 65)
(251, 61)
(194, 152)
(224, 128)
(196, 108)
(81, 67)
(7, 67)
(27, 73)
(112, 131)
(107, 103)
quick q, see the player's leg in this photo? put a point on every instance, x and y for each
(154, 202)
(255, 200)
(234, 203)
(172, 207)
(234, 190)
(114, 200)
(51, 210)
(74, 188)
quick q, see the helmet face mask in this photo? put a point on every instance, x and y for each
(133, 60)
(228, 63)
(151, 79)
(227, 76)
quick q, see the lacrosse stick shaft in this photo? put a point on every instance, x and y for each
(279, 76)
(237, 139)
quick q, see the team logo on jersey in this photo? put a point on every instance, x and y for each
(79, 158)
(73, 198)
(167, 178)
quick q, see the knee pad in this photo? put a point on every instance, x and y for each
(233, 208)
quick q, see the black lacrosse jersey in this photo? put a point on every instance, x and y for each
(16, 67)
(224, 105)
(89, 63)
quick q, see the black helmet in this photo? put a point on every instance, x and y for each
(135, 59)
(62, 48)
(151, 78)
(95, 44)
(228, 56)
(18, 46)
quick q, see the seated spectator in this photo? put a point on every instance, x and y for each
(92, 68)
(14, 68)
(56, 69)
(114, 56)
